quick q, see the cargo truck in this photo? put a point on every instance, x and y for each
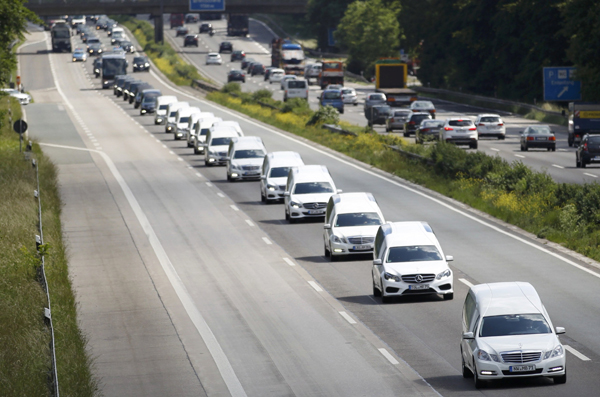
(237, 25)
(390, 79)
(176, 20)
(61, 37)
(584, 118)
(332, 72)
(287, 56)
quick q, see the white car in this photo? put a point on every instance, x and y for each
(245, 157)
(490, 125)
(307, 192)
(351, 222)
(334, 87)
(23, 98)
(349, 96)
(409, 260)
(459, 130)
(286, 78)
(423, 106)
(214, 58)
(507, 333)
(276, 75)
(275, 169)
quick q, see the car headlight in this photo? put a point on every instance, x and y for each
(271, 187)
(484, 356)
(390, 276)
(556, 352)
(445, 273)
(146, 64)
(295, 204)
(338, 239)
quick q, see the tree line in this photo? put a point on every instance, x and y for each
(487, 47)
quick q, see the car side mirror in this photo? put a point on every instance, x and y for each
(377, 262)
(327, 226)
(468, 335)
(263, 177)
(339, 191)
(286, 194)
(560, 330)
(449, 258)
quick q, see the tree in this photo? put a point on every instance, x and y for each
(323, 15)
(13, 20)
(369, 30)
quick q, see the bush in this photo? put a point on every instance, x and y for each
(325, 115)
(233, 87)
(262, 95)
(296, 105)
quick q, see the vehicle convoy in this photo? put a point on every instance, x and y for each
(584, 119)
(390, 79)
(275, 169)
(307, 191)
(287, 56)
(332, 72)
(245, 157)
(237, 25)
(61, 37)
(176, 20)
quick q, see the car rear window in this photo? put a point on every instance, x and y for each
(594, 139)
(347, 92)
(376, 97)
(402, 113)
(539, 130)
(297, 84)
(489, 119)
(417, 118)
(460, 123)
(332, 95)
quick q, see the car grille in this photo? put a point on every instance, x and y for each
(250, 167)
(418, 278)
(520, 357)
(361, 240)
(314, 206)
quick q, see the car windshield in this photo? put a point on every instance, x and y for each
(220, 141)
(163, 107)
(376, 97)
(313, 187)
(249, 154)
(422, 105)
(139, 60)
(514, 324)
(490, 119)
(417, 118)
(279, 172)
(358, 219)
(413, 253)
(150, 98)
(204, 131)
(332, 95)
(539, 130)
(185, 119)
(431, 123)
(460, 123)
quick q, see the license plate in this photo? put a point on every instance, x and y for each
(250, 173)
(361, 247)
(315, 212)
(418, 287)
(521, 368)
(540, 139)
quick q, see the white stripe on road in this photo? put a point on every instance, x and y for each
(267, 241)
(494, 149)
(220, 195)
(233, 207)
(209, 184)
(315, 286)
(577, 354)
(518, 155)
(389, 357)
(592, 175)
(558, 166)
(465, 282)
(249, 222)
(348, 318)
(289, 261)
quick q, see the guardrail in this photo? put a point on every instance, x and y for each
(204, 86)
(338, 130)
(411, 155)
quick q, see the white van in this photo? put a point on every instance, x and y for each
(182, 121)
(117, 34)
(244, 158)
(202, 128)
(507, 333)
(193, 124)
(275, 169)
(409, 260)
(162, 103)
(228, 123)
(351, 222)
(172, 109)
(295, 89)
(307, 192)
(217, 144)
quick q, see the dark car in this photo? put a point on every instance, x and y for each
(268, 72)
(414, 121)
(238, 56)
(97, 67)
(95, 49)
(246, 62)
(135, 90)
(225, 46)
(378, 114)
(205, 28)
(257, 68)
(147, 100)
(141, 64)
(236, 75)
(428, 130)
(191, 18)
(181, 31)
(119, 83)
(538, 136)
(127, 46)
(190, 40)
(588, 151)
(127, 87)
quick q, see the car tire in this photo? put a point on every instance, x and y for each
(449, 297)
(502, 137)
(570, 141)
(554, 148)
(207, 164)
(583, 164)
(387, 129)
(522, 148)
(376, 291)
(327, 252)
(560, 380)
(478, 382)
(385, 299)
(342, 111)
(466, 372)
(262, 197)
(229, 178)
(473, 145)
(406, 134)
(525, 148)
(287, 216)
(196, 151)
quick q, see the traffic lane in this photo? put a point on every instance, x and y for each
(35, 75)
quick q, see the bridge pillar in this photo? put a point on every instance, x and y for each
(158, 28)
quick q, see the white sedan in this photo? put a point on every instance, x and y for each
(349, 96)
(23, 98)
(214, 58)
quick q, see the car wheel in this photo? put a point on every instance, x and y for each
(449, 297)
(502, 137)
(406, 134)
(473, 145)
(384, 299)
(583, 164)
(206, 163)
(522, 148)
(229, 178)
(478, 382)
(287, 216)
(196, 151)
(560, 380)
(554, 148)
(342, 111)
(466, 372)
(387, 129)
(376, 291)
(262, 197)
(525, 148)
(570, 141)
(327, 252)
(549, 149)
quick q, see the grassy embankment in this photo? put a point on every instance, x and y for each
(24, 338)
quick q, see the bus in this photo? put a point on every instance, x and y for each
(113, 64)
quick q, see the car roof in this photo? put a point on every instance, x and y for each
(187, 111)
(398, 234)
(354, 202)
(458, 118)
(202, 115)
(178, 105)
(310, 173)
(248, 142)
(211, 120)
(285, 159)
(223, 132)
(167, 98)
(516, 297)
(488, 115)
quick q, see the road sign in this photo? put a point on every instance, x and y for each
(20, 126)
(560, 86)
(207, 5)
(330, 38)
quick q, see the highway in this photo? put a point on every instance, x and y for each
(188, 284)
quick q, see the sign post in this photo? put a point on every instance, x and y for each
(207, 5)
(560, 86)
(20, 126)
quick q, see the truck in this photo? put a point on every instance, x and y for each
(332, 72)
(237, 25)
(390, 79)
(287, 56)
(176, 20)
(113, 64)
(584, 118)
(61, 37)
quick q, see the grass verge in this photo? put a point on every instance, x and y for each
(24, 338)
(568, 214)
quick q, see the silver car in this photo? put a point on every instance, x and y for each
(490, 125)
(423, 106)
(396, 122)
(349, 96)
(375, 98)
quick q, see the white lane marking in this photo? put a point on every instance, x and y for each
(199, 175)
(179, 158)
(289, 261)
(348, 318)
(466, 282)
(448, 206)
(592, 175)
(576, 353)
(518, 155)
(171, 152)
(220, 195)
(249, 222)
(389, 357)
(267, 241)
(233, 207)
(315, 286)
(558, 166)
(562, 150)
(494, 149)
(165, 146)
(209, 184)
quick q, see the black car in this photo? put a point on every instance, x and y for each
(191, 18)
(148, 102)
(257, 68)
(95, 49)
(119, 83)
(538, 136)
(238, 56)
(141, 64)
(414, 121)
(97, 67)
(588, 151)
(428, 130)
(236, 75)
(205, 28)
(136, 88)
(190, 40)
(147, 92)
(378, 114)
(181, 31)
(127, 86)
(225, 46)
(127, 46)
(246, 62)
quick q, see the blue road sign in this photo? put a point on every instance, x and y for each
(207, 5)
(560, 86)
(330, 38)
